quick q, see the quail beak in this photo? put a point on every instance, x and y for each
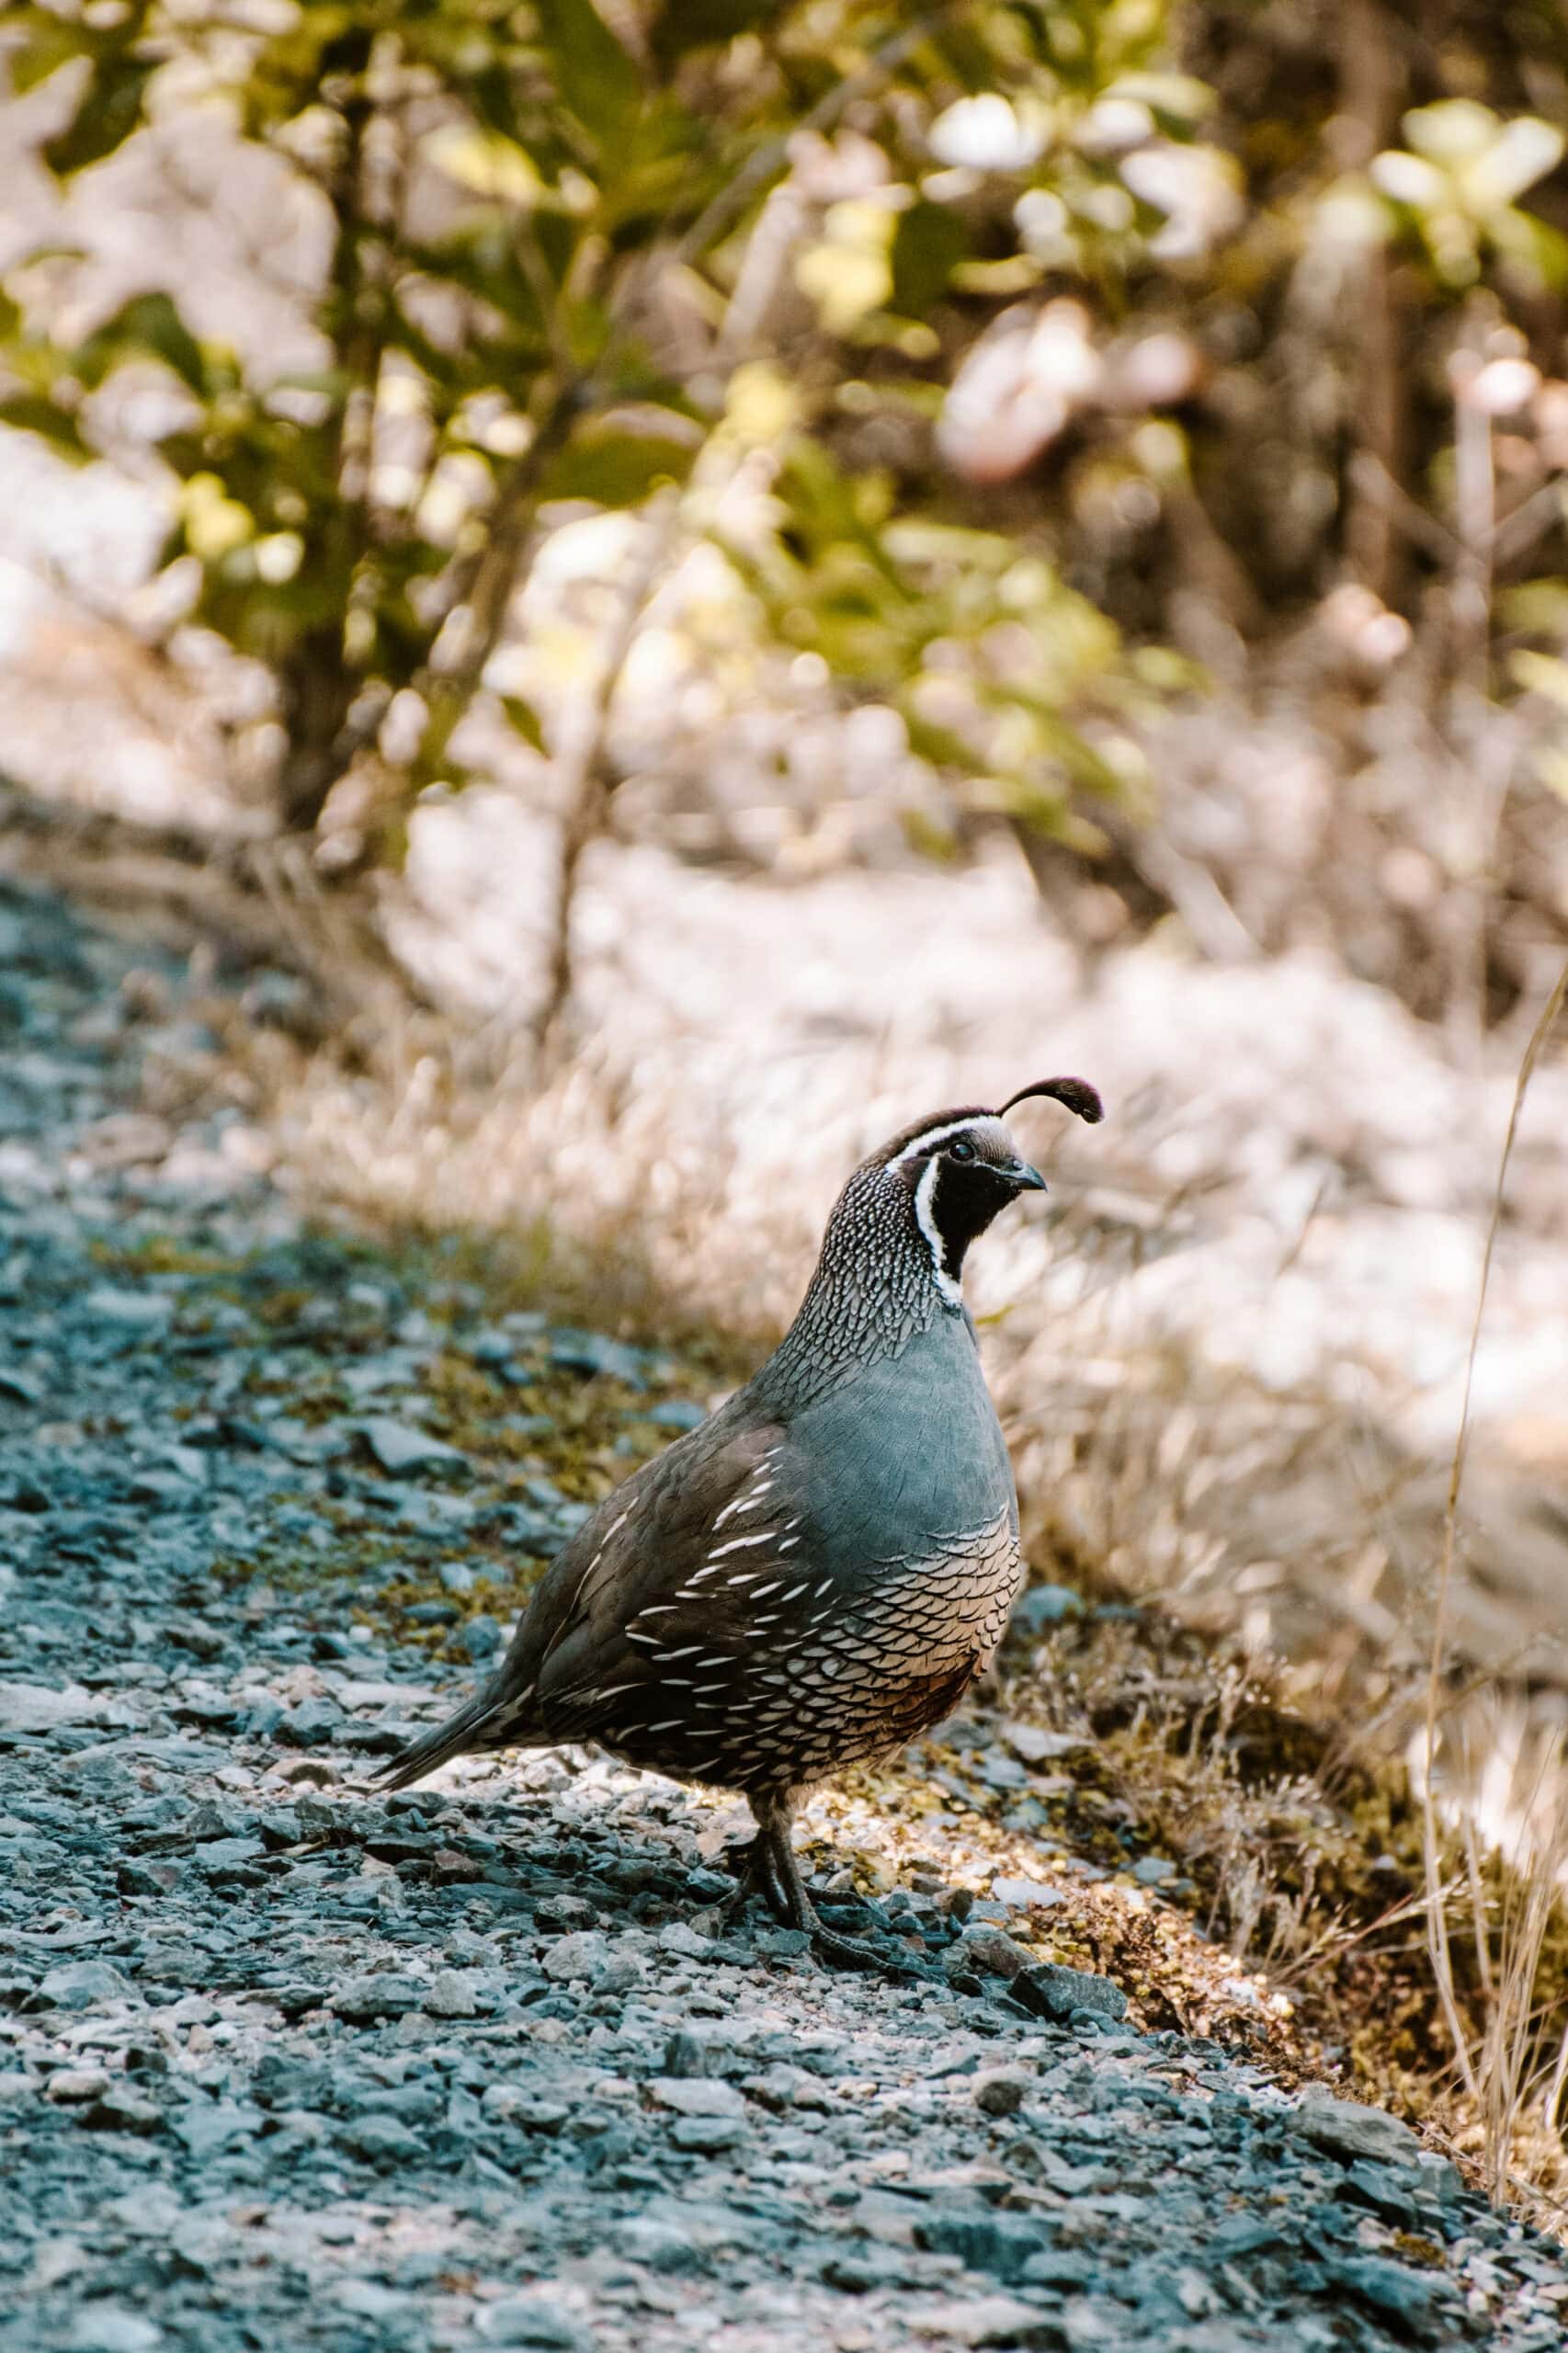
(1025, 1180)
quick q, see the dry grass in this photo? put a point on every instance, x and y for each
(1254, 1721)
(1515, 2067)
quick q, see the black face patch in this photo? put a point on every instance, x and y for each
(960, 1197)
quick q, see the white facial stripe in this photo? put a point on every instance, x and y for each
(919, 1144)
(985, 1126)
(924, 1194)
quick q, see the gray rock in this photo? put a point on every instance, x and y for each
(1001, 2091)
(530, 2322)
(36, 1706)
(1026, 1894)
(676, 1413)
(1056, 1993)
(1044, 1606)
(1345, 2129)
(985, 2320)
(577, 1959)
(312, 1724)
(1000, 2243)
(1406, 2296)
(405, 1451)
(452, 1995)
(380, 1994)
(591, 1353)
(111, 2328)
(705, 2136)
(697, 2095)
(208, 2126)
(141, 1311)
(69, 2085)
(83, 1985)
(120, 2109)
(382, 2140)
(524, 2106)
(989, 1949)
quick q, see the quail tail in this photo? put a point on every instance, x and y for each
(456, 1738)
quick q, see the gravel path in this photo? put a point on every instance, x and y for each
(283, 2064)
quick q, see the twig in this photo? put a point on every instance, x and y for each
(1436, 1921)
(770, 158)
(587, 788)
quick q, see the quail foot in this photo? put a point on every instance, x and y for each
(813, 1576)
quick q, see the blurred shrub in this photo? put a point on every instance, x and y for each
(531, 213)
(1089, 321)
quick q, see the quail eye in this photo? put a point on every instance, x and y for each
(962, 1149)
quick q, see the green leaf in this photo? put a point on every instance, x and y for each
(1088, 768)
(928, 244)
(33, 413)
(685, 24)
(149, 326)
(525, 719)
(943, 747)
(616, 466)
(52, 42)
(110, 112)
(595, 76)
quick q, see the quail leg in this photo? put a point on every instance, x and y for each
(774, 1813)
(756, 1877)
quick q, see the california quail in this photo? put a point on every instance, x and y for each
(813, 1576)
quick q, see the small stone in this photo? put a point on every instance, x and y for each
(704, 2136)
(989, 1949)
(676, 1413)
(592, 1353)
(118, 2111)
(382, 2140)
(662, 2244)
(1026, 1894)
(1404, 2295)
(530, 2322)
(529, 2110)
(1346, 2129)
(368, 2300)
(679, 1938)
(986, 2320)
(402, 1450)
(686, 2053)
(82, 1985)
(480, 1636)
(110, 2328)
(1000, 2243)
(208, 2126)
(133, 1310)
(1053, 1992)
(38, 1707)
(1001, 2091)
(1039, 1746)
(312, 1724)
(70, 2084)
(1046, 1605)
(696, 2095)
(378, 1994)
(452, 1994)
(577, 1959)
